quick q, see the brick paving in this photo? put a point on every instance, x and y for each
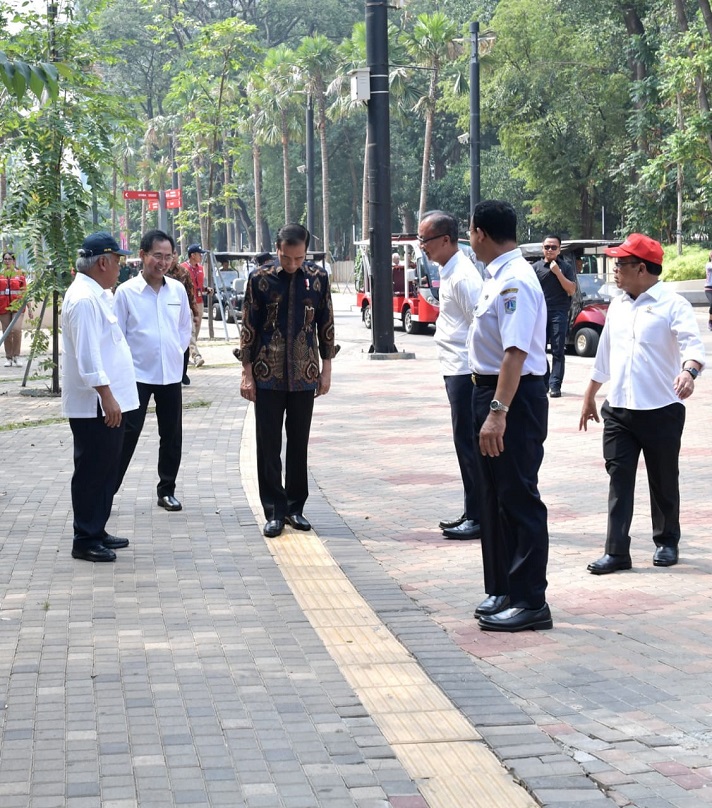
(186, 674)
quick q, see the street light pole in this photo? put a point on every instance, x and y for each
(379, 178)
(474, 116)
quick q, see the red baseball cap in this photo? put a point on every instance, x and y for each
(639, 246)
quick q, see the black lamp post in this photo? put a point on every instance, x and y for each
(379, 177)
(474, 116)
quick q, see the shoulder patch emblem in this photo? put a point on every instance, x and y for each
(510, 305)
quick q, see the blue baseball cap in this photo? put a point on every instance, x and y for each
(101, 244)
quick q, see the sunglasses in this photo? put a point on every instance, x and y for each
(551, 247)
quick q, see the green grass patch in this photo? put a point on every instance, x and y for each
(27, 424)
(686, 267)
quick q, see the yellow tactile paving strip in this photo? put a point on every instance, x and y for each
(434, 742)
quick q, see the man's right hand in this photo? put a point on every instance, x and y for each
(248, 389)
(112, 410)
(589, 412)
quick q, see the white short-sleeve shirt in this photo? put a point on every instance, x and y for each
(510, 313)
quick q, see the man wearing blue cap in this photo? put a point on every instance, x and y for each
(197, 274)
(98, 387)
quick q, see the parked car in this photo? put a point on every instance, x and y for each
(589, 304)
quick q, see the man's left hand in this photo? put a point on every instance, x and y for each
(324, 384)
(492, 434)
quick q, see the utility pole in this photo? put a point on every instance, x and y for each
(379, 178)
(474, 116)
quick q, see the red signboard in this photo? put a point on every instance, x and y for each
(170, 203)
(140, 194)
(174, 193)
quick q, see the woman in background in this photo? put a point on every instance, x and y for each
(13, 286)
(708, 288)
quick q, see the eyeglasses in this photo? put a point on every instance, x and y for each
(8, 258)
(422, 240)
(620, 264)
(162, 257)
(551, 247)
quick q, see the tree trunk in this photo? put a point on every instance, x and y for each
(364, 194)
(229, 222)
(114, 191)
(257, 172)
(706, 14)
(427, 143)
(285, 169)
(197, 164)
(324, 170)
(702, 100)
(678, 229)
(126, 203)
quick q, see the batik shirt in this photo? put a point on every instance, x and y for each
(287, 323)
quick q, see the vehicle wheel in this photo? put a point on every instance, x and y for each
(408, 322)
(217, 314)
(586, 341)
(366, 315)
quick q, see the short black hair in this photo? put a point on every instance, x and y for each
(8, 253)
(152, 236)
(293, 234)
(496, 218)
(444, 223)
(552, 235)
(653, 269)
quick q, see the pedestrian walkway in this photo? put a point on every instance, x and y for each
(342, 667)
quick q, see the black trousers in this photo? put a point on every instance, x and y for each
(515, 537)
(658, 434)
(169, 414)
(97, 453)
(273, 409)
(459, 393)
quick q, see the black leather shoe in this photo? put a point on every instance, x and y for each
(185, 380)
(609, 563)
(170, 503)
(555, 392)
(665, 556)
(114, 542)
(273, 528)
(517, 619)
(93, 552)
(297, 521)
(443, 525)
(492, 604)
(469, 529)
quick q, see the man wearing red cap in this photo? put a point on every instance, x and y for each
(651, 352)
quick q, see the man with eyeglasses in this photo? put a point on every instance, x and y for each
(651, 353)
(154, 314)
(460, 287)
(558, 282)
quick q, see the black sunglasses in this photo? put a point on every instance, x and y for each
(551, 247)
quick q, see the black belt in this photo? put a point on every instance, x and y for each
(492, 381)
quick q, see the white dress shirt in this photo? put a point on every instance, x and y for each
(157, 326)
(460, 287)
(94, 352)
(511, 313)
(644, 344)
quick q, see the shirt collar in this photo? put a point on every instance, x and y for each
(95, 288)
(450, 265)
(656, 291)
(501, 260)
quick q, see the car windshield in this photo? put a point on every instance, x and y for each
(593, 286)
(227, 276)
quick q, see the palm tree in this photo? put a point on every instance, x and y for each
(282, 118)
(430, 44)
(316, 60)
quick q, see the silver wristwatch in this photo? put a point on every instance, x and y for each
(497, 406)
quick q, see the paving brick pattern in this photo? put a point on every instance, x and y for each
(186, 674)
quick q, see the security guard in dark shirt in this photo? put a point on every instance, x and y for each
(287, 328)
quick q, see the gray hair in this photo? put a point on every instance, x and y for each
(85, 265)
